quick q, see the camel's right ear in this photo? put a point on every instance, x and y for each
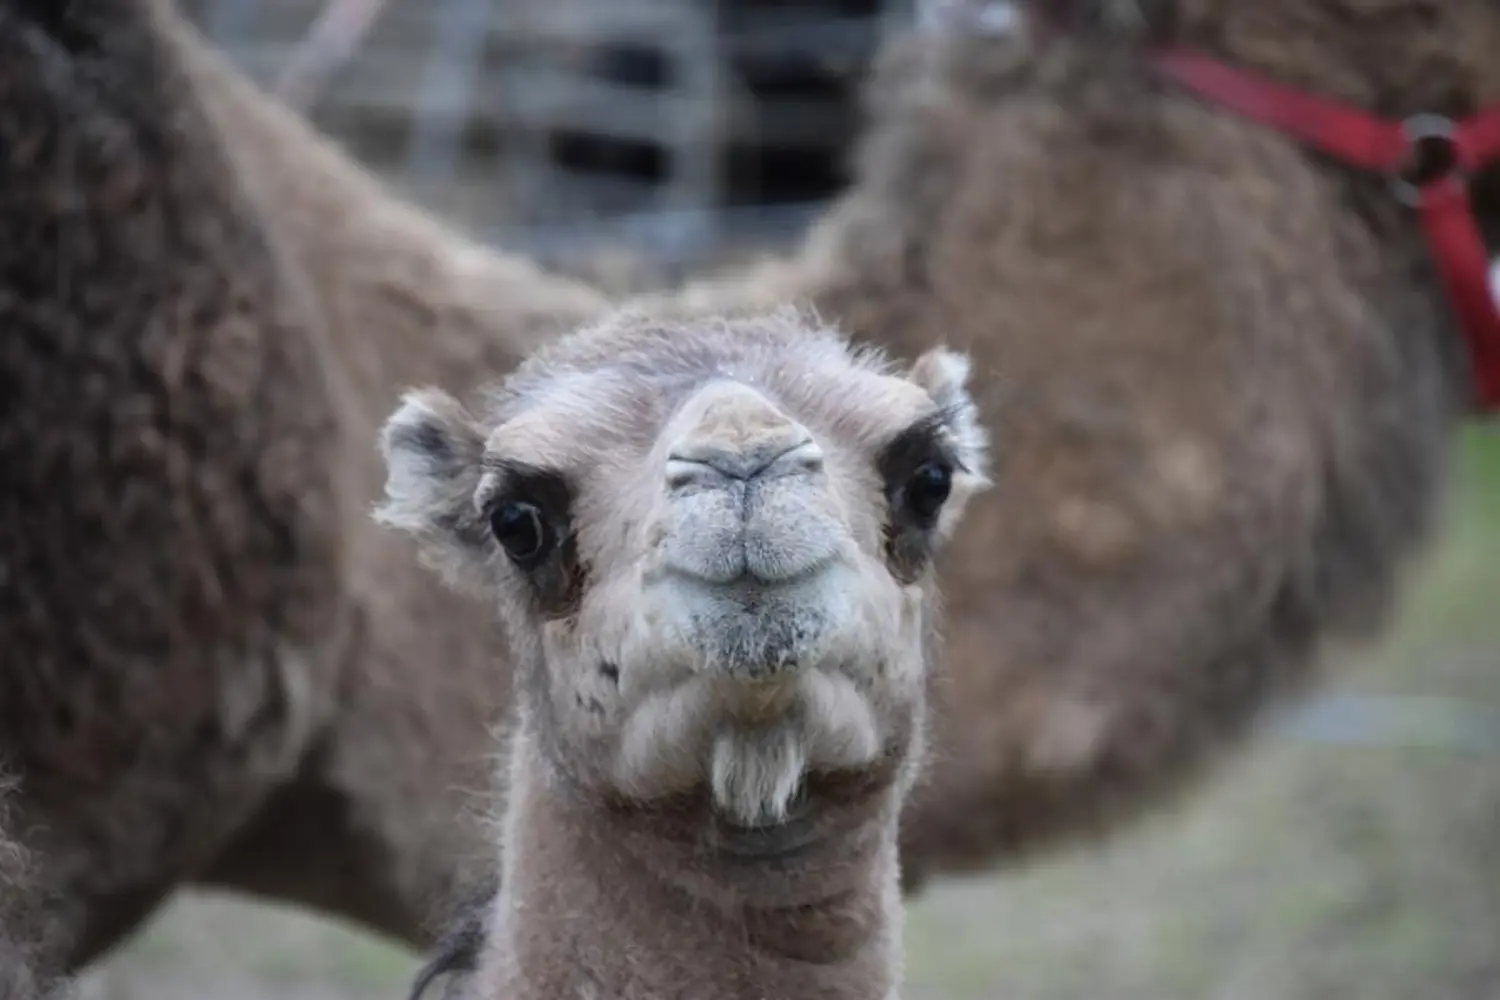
(433, 452)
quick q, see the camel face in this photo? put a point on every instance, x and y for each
(710, 545)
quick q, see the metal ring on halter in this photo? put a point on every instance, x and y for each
(1420, 129)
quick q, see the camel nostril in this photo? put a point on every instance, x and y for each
(705, 463)
(684, 472)
(804, 458)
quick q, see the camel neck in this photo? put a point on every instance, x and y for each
(601, 902)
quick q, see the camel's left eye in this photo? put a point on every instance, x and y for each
(522, 532)
(927, 490)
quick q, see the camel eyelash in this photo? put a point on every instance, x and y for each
(529, 516)
(512, 482)
(926, 440)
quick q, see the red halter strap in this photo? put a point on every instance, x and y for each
(1454, 149)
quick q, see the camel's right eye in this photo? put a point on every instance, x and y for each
(927, 490)
(522, 532)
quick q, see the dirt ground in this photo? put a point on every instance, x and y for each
(1353, 852)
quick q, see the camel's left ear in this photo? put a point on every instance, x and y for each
(433, 455)
(944, 374)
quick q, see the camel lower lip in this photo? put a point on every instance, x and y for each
(763, 843)
(747, 585)
(754, 635)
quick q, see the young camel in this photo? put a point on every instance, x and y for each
(711, 546)
(1231, 382)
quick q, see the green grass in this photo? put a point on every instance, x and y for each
(1302, 870)
(1455, 599)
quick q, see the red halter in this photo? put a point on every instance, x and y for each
(1397, 149)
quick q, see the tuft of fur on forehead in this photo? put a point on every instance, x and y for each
(624, 374)
(635, 348)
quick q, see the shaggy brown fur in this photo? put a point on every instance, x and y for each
(168, 523)
(720, 653)
(368, 826)
(196, 603)
(1224, 374)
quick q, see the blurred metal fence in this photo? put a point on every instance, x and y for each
(675, 126)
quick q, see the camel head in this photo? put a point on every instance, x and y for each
(1392, 57)
(710, 545)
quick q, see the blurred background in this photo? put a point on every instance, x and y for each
(674, 129)
(1353, 850)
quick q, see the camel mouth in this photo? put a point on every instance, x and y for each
(827, 804)
(750, 517)
(754, 633)
(782, 840)
(758, 699)
(706, 830)
(754, 558)
(738, 575)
